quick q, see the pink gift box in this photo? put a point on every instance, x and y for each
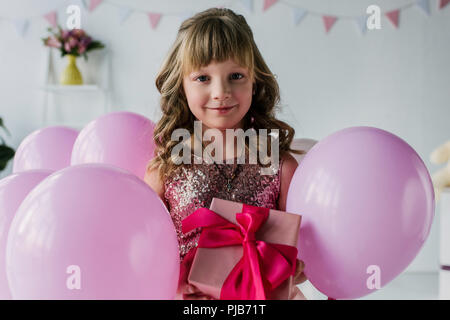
(211, 266)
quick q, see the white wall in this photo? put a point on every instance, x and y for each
(396, 80)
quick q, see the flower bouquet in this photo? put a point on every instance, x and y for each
(6, 152)
(73, 43)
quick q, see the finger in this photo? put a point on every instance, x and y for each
(189, 289)
(300, 278)
(196, 296)
(300, 265)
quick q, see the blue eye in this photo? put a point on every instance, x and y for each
(200, 77)
(241, 76)
(238, 74)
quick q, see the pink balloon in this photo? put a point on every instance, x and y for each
(92, 232)
(122, 139)
(367, 202)
(13, 189)
(49, 149)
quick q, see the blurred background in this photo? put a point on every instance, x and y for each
(333, 73)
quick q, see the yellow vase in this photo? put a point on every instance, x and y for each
(71, 75)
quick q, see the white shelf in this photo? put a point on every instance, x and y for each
(74, 125)
(71, 88)
(57, 96)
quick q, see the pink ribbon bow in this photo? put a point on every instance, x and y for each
(263, 266)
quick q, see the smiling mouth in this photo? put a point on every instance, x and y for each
(223, 108)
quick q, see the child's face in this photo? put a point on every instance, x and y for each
(216, 85)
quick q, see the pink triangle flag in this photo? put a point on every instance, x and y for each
(328, 21)
(443, 3)
(154, 19)
(393, 17)
(51, 18)
(94, 4)
(268, 4)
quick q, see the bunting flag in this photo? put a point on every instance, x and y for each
(425, 6)
(268, 4)
(21, 25)
(328, 22)
(443, 3)
(248, 4)
(298, 14)
(51, 18)
(393, 17)
(124, 13)
(361, 23)
(154, 19)
(83, 3)
(94, 4)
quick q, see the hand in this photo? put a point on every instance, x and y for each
(187, 291)
(191, 292)
(299, 276)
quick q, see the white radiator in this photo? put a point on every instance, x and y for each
(444, 254)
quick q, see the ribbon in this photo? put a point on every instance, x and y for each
(263, 266)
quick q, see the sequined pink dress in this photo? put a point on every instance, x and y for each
(194, 185)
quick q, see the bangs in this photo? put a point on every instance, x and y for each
(215, 40)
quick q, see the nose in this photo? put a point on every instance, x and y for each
(221, 91)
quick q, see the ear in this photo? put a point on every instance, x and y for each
(254, 88)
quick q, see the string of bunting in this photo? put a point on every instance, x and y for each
(298, 13)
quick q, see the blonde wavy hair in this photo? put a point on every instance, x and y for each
(216, 34)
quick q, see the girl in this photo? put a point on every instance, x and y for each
(215, 74)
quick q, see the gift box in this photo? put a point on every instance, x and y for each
(244, 252)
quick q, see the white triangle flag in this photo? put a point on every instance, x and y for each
(21, 25)
(298, 15)
(124, 13)
(248, 4)
(424, 5)
(361, 22)
(82, 3)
